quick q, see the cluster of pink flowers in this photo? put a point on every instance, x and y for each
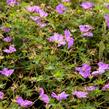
(85, 70)
(38, 19)
(7, 72)
(62, 39)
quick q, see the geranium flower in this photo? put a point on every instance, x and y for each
(38, 21)
(105, 87)
(11, 49)
(23, 103)
(7, 72)
(43, 97)
(7, 39)
(102, 68)
(68, 38)
(87, 5)
(90, 88)
(43, 13)
(106, 17)
(12, 2)
(60, 8)
(60, 97)
(5, 29)
(1, 95)
(87, 34)
(80, 94)
(38, 10)
(33, 9)
(57, 38)
(86, 30)
(84, 71)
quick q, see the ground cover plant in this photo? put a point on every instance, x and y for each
(54, 54)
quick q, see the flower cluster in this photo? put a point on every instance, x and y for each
(38, 19)
(62, 39)
(66, 39)
(85, 70)
(86, 30)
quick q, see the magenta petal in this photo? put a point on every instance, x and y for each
(43, 13)
(63, 96)
(6, 51)
(80, 94)
(60, 97)
(87, 5)
(1, 95)
(27, 103)
(41, 92)
(85, 28)
(54, 96)
(7, 39)
(12, 2)
(23, 103)
(90, 88)
(106, 17)
(45, 98)
(60, 8)
(7, 72)
(105, 87)
(33, 9)
(84, 71)
(87, 34)
(70, 42)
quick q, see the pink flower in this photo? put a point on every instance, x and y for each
(60, 8)
(7, 72)
(33, 9)
(68, 38)
(105, 87)
(87, 5)
(38, 21)
(86, 30)
(57, 38)
(5, 29)
(7, 39)
(106, 17)
(84, 71)
(102, 68)
(80, 94)
(87, 34)
(38, 10)
(12, 2)
(1, 95)
(23, 103)
(90, 88)
(60, 97)
(43, 97)
(10, 50)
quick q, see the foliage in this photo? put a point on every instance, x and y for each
(39, 63)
